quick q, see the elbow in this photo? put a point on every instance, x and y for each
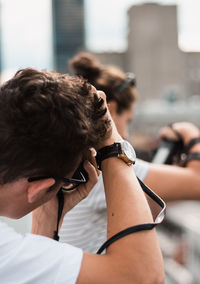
(145, 276)
(159, 278)
(156, 279)
(155, 275)
(148, 275)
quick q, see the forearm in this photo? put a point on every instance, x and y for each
(127, 206)
(124, 196)
(175, 183)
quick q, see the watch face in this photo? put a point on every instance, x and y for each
(128, 151)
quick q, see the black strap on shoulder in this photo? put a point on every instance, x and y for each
(178, 135)
(60, 209)
(191, 144)
(190, 157)
(140, 227)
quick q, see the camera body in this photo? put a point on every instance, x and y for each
(81, 171)
(169, 152)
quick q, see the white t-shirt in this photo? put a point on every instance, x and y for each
(85, 226)
(35, 259)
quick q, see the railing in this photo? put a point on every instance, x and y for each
(180, 243)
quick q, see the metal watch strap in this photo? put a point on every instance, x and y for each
(107, 152)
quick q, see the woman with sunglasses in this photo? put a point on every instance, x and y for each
(85, 225)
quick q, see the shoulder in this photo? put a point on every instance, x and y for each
(51, 261)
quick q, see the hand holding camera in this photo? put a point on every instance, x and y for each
(180, 143)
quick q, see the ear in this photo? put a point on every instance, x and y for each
(112, 105)
(37, 189)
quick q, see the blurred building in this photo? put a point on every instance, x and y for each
(192, 72)
(68, 30)
(153, 52)
(163, 71)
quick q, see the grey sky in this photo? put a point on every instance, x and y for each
(27, 33)
(109, 23)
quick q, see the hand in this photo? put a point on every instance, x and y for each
(45, 217)
(114, 136)
(81, 192)
(186, 130)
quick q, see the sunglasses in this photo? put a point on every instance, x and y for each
(130, 81)
(80, 177)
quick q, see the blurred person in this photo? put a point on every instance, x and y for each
(85, 225)
(48, 123)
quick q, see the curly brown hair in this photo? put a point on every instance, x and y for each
(104, 77)
(47, 121)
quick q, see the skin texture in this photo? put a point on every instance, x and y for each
(123, 119)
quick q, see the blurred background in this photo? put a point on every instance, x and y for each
(159, 41)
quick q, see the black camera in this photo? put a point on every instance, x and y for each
(80, 172)
(169, 152)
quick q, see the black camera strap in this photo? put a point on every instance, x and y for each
(60, 197)
(127, 231)
(140, 227)
(191, 143)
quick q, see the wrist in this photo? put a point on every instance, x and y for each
(122, 150)
(189, 136)
(114, 137)
(187, 131)
(193, 146)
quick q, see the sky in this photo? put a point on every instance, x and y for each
(26, 35)
(109, 23)
(27, 30)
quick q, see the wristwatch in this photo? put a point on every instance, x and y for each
(123, 150)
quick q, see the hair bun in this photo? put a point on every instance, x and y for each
(86, 65)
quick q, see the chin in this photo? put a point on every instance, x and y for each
(16, 215)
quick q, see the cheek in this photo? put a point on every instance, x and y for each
(122, 127)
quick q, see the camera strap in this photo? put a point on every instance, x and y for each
(60, 197)
(141, 227)
(191, 143)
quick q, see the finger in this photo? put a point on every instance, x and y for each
(83, 190)
(92, 159)
(168, 133)
(92, 173)
(102, 95)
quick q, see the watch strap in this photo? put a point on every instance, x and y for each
(107, 152)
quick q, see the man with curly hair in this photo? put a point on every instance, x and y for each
(48, 124)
